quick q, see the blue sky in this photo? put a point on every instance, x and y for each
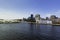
(12, 9)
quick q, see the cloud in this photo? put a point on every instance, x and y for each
(48, 15)
(9, 14)
(57, 13)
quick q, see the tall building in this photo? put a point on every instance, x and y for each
(53, 17)
(47, 18)
(31, 18)
(37, 18)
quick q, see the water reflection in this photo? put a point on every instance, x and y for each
(53, 34)
(34, 31)
(37, 26)
(56, 32)
(29, 31)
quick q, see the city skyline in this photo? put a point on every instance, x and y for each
(15, 9)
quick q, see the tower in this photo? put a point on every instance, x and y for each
(37, 18)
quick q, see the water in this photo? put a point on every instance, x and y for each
(28, 31)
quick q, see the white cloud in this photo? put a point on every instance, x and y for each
(48, 15)
(57, 13)
(9, 14)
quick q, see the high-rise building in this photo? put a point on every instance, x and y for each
(53, 17)
(31, 18)
(47, 18)
(37, 18)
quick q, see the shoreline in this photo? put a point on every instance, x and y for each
(44, 24)
(56, 24)
(31, 22)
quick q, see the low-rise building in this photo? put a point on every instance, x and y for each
(43, 21)
(56, 21)
(10, 20)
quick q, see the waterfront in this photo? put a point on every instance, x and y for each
(29, 31)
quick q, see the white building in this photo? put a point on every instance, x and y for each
(42, 20)
(11, 20)
(37, 18)
(45, 21)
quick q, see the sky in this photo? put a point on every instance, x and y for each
(14, 9)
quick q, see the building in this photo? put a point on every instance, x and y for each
(1, 20)
(37, 18)
(53, 17)
(56, 21)
(31, 18)
(47, 18)
(44, 21)
(11, 20)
